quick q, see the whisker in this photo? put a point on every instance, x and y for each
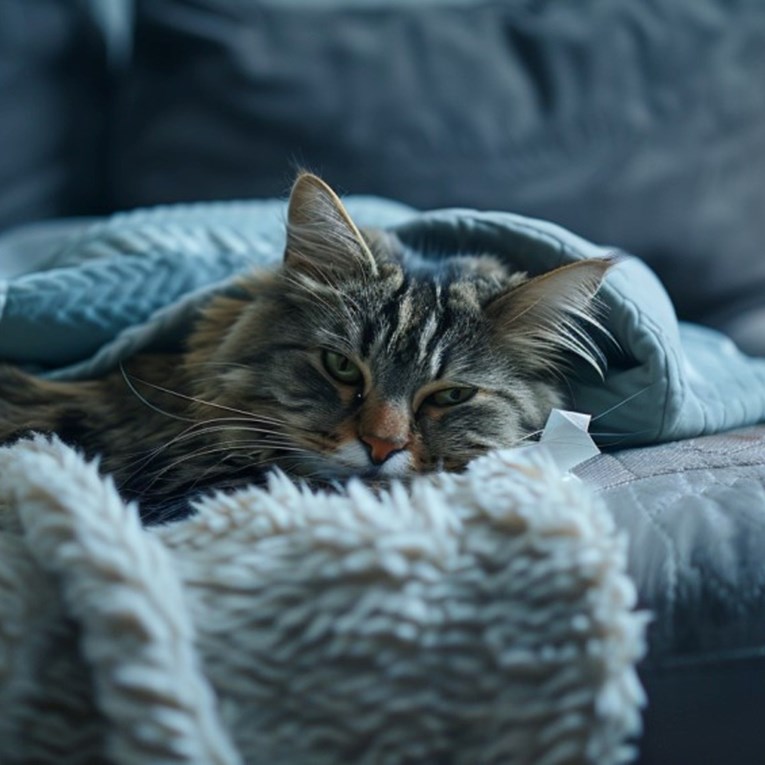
(145, 401)
(228, 449)
(528, 436)
(623, 402)
(258, 463)
(232, 447)
(249, 428)
(195, 399)
(198, 429)
(232, 364)
(622, 434)
(212, 468)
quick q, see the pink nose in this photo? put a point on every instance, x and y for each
(380, 448)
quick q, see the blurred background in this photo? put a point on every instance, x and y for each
(635, 124)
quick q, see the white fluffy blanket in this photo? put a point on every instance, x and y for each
(468, 620)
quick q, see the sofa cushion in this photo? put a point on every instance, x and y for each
(637, 125)
(53, 111)
(694, 514)
(694, 511)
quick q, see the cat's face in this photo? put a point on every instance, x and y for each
(360, 360)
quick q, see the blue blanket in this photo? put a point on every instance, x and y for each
(135, 281)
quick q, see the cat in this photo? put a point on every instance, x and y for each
(353, 357)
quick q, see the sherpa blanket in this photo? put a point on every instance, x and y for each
(476, 619)
(135, 280)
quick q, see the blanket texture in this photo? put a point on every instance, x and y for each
(480, 618)
(136, 280)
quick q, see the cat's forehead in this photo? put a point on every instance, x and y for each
(411, 328)
(413, 322)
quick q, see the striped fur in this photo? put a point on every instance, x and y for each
(253, 390)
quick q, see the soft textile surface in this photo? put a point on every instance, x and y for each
(478, 618)
(54, 86)
(77, 294)
(137, 279)
(694, 512)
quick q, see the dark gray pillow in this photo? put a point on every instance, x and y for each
(53, 110)
(640, 125)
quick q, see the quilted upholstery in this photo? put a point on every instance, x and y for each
(694, 512)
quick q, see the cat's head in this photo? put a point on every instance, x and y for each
(358, 358)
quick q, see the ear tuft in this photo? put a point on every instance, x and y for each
(545, 318)
(322, 240)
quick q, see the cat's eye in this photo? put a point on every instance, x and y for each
(341, 368)
(451, 396)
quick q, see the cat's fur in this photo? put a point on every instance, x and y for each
(254, 390)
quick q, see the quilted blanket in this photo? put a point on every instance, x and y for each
(480, 618)
(135, 280)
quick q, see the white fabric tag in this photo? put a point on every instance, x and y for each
(566, 438)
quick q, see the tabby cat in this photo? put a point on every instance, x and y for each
(354, 357)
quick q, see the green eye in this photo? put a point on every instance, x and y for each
(451, 396)
(341, 368)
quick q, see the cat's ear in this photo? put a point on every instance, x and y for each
(546, 318)
(322, 240)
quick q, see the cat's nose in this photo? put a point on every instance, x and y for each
(381, 448)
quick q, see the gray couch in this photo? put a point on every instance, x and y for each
(636, 125)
